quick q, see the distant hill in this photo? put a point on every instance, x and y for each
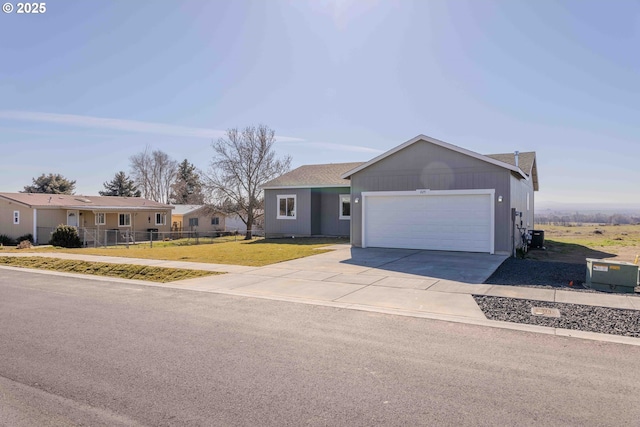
(596, 213)
(587, 208)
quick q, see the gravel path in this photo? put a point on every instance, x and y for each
(524, 272)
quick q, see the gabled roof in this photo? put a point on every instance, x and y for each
(49, 201)
(501, 161)
(314, 176)
(526, 162)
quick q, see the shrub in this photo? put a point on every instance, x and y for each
(65, 236)
(6, 240)
(24, 244)
(28, 237)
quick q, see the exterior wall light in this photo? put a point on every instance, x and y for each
(357, 200)
(499, 199)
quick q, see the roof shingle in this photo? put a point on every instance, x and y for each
(326, 175)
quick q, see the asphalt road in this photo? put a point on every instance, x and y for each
(84, 352)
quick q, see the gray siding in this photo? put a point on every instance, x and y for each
(316, 206)
(317, 213)
(301, 226)
(520, 188)
(426, 166)
(329, 212)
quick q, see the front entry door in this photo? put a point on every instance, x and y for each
(72, 218)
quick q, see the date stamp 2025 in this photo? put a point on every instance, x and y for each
(25, 8)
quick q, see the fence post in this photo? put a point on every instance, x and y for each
(151, 238)
(126, 236)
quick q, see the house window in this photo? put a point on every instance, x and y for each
(193, 222)
(287, 206)
(101, 218)
(215, 220)
(124, 220)
(161, 218)
(16, 217)
(345, 206)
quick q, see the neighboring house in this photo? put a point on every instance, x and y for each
(311, 200)
(196, 218)
(203, 218)
(39, 214)
(423, 194)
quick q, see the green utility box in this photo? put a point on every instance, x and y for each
(611, 276)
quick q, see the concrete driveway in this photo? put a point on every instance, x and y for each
(396, 268)
(398, 279)
(428, 266)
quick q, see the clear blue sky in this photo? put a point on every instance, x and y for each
(89, 83)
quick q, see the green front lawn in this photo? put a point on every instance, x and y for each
(254, 253)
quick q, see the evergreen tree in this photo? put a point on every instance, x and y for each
(187, 189)
(51, 184)
(120, 185)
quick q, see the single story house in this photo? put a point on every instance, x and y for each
(422, 194)
(203, 218)
(39, 214)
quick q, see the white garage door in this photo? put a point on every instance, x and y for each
(454, 221)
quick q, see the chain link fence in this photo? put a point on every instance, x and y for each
(94, 237)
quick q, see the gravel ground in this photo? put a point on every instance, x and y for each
(524, 272)
(572, 316)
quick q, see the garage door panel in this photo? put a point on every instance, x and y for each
(460, 222)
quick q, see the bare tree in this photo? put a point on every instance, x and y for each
(243, 161)
(154, 172)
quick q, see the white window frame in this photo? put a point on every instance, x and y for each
(126, 215)
(196, 220)
(163, 218)
(100, 218)
(215, 220)
(344, 198)
(293, 211)
(16, 217)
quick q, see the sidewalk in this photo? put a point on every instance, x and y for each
(325, 279)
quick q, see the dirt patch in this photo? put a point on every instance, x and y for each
(575, 243)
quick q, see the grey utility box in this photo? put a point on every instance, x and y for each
(611, 276)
